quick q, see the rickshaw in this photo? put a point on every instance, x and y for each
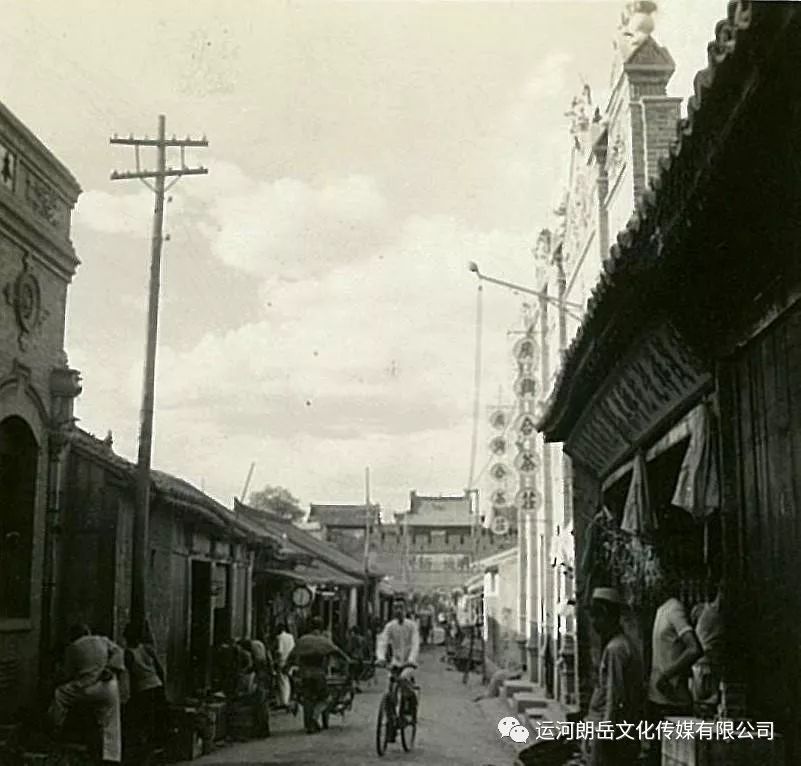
(341, 690)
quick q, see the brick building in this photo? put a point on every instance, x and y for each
(614, 148)
(344, 525)
(431, 547)
(37, 390)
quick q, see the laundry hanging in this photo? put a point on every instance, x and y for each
(698, 486)
(638, 516)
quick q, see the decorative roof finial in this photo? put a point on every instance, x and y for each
(637, 22)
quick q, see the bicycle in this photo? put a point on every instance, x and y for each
(397, 712)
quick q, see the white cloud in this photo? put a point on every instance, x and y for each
(127, 213)
(116, 213)
(372, 361)
(292, 229)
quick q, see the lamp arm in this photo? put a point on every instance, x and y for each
(529, 291)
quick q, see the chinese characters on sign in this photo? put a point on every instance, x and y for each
(643, 731)
(661, 374)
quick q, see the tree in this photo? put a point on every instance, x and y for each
(278, 500)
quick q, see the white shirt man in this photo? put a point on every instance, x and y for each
(402, 635)
(674, 650)
(286, 643)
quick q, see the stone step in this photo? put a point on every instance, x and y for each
(524, 700)
(532, 717)
(509, 688)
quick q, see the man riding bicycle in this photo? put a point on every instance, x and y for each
(403, 638)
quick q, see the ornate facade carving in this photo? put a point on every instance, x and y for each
(42, 199)
(24, 296)
(8, 167)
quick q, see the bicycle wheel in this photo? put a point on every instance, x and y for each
(383, 725)
(408, 722)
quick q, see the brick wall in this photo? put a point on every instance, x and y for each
(661, 115)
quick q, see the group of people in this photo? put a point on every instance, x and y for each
(398, 644)
(683, 679)
(244, 672)
(121, 690)
(118, 691)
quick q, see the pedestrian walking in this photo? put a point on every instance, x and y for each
(286, 644)
(311, 655)
(618, 695)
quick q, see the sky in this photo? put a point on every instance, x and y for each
(317, 313)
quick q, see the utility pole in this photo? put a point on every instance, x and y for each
(367, 594)
(247, 483)
(161, 143)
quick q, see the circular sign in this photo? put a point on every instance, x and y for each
(498, 420)
(301, 596)
(500, 525)
(498, 445)
(525, 349)
(499, 472)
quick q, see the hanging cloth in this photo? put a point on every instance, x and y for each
(592, 567)
(698, 485)
(638, 517)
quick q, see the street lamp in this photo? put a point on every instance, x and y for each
(473, 267)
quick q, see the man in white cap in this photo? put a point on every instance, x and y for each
(618, 695)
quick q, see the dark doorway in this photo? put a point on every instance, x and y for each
(221, 592)
(200, 635)
(19, 454)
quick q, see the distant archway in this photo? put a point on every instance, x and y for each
(19, 454)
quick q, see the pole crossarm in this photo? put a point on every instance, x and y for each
(168, 142)
(127, 176)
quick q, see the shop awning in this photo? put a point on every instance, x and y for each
(316, 573)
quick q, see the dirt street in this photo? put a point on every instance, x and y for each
(452, 730)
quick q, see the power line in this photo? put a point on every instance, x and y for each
(161, 143)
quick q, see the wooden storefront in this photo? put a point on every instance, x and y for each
(201, 562)
(710, 262)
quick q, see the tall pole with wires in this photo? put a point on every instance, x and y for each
(141, 544)
(476, 386)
